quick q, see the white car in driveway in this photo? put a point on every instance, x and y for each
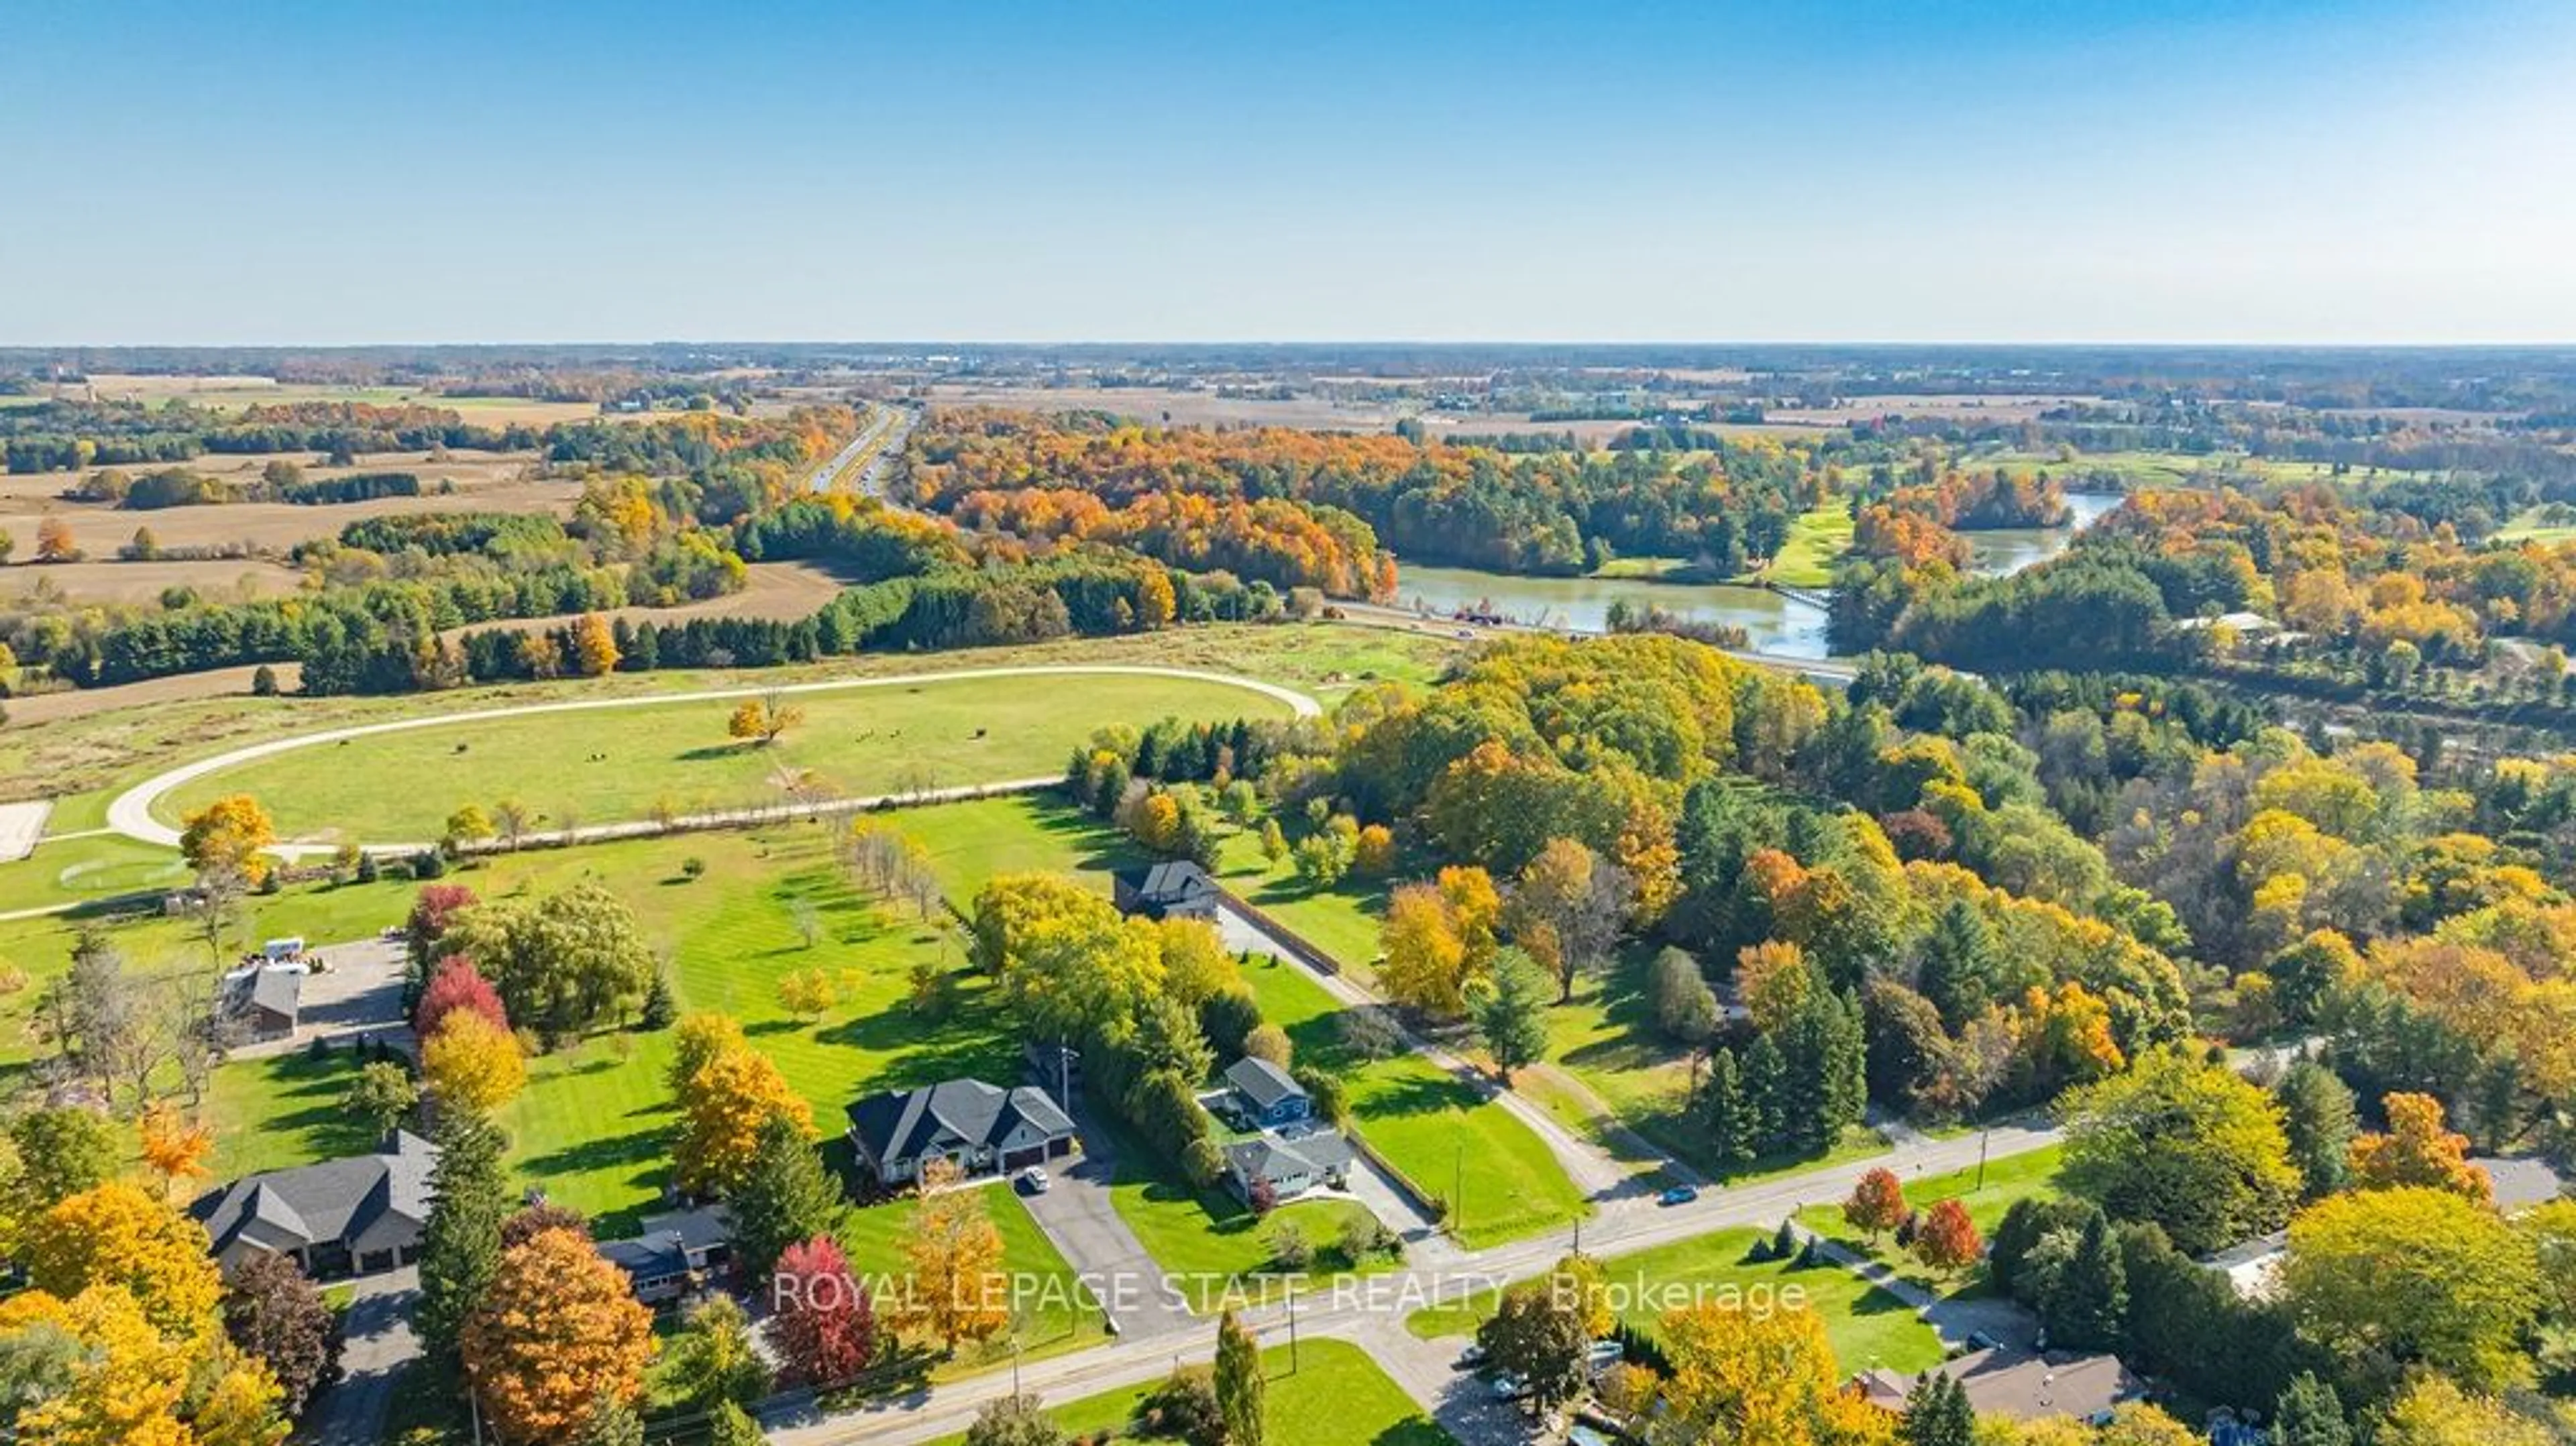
(1034, 1180)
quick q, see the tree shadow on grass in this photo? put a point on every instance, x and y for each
(311, 1094)
(637, 1156)
(1420, 1095)
(918, 1052)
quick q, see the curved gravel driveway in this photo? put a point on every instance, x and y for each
(131, 812)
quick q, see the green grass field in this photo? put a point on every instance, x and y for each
(1430, 1124)
(622, 763)
(1333, 1395)
(593, 1123)
(1868, 1326)
(1218, 1245)
(1053, 1313)
(2032, 1175)
(1815, 540)
(85, 870)
(2545, 525)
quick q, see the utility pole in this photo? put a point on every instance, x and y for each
(1458, 1191)
(1985, 1138)
(1292, 1331)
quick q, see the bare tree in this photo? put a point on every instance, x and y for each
(217, 905)
(511, 817)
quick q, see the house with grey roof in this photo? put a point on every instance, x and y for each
(358, 1215)
(1172, 889)
(672, 1255)
(980, 1128)
(1265, 1095)
(260, 1004)
(1288, 1164)
(2020, 1385)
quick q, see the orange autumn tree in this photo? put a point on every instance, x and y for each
(1947, 1240)
(2417, 1150)
(1877, 1204)
(229, 834)
(557, 1336)
(174, 1146)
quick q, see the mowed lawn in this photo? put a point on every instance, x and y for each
(1867, 1325)
(1050, 1309)
(85, 870)
(2026, 1176)
(594, 1123)
(1217, 1247)
(1433, 1126)
(1333, 1395)
(608, 764)
(1816, 538)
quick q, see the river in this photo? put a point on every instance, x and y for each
(1778, 625)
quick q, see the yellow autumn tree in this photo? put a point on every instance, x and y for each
(954, 1288)
(1741, 1374)
(229, 834)
(722, 1109)
(695, 1044)
(1771, 980)
(594, 646)
(127, 1383)
(119, 1237)
(557, 1336)
(472, 1063)
(1475, 911)
(1425, 961)
(761, 720)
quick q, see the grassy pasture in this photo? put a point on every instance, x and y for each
(1868, 1326)
(1333, 1395)
(619, 763)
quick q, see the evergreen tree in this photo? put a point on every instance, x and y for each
(2091, 1302)
(460, 1247)
(1937, 1413)
(661, 1010)
(2309, 1413)
(1827, 1067)
(1725, 1114)
(1784, 1241)
(1766, 1089)
(788, 1196)
(1238, 1382)
(1961, 967)
(2317, 1116)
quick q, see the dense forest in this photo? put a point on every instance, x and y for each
(1543, 512)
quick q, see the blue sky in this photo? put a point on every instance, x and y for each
(1873, 170)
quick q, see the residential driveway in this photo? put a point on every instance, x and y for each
(1076, 1213)
(1461, 1401)
(1424, 1241)
(358, 992)
(379, 1345)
